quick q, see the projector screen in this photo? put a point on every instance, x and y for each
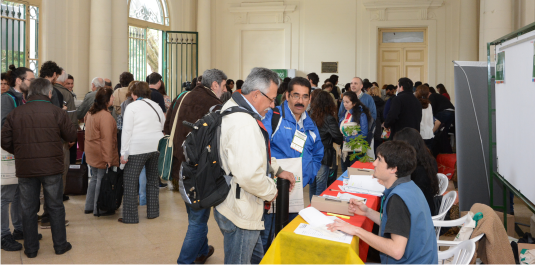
(515, 105)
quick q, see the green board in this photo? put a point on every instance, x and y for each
(283, 73)
(500, 68)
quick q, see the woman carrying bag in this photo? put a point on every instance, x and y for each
(100, 145)
(143, 124)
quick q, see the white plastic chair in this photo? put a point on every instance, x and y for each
(443, 183)
(445, 206)
(452, 223)
(461, 253)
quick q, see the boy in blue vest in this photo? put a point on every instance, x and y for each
(406, 233)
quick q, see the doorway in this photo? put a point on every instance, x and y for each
(402, 53)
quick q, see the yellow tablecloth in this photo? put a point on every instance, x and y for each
(291, 248)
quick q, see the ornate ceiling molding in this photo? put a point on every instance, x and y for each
(380, 8)
(243, 12)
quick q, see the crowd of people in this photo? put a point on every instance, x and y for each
(123, 126)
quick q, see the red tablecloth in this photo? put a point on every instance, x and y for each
(357, 220)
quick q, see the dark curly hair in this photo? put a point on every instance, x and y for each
(356, 110)
(125, 78)
(322, 106)
(423, 155)
(101, 100)
(48, 69)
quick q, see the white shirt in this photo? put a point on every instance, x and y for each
(142, 130)
(426, 125)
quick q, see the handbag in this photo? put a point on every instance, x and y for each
(165, 147)
(77, 179)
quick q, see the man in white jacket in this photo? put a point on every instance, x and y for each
(245, 153)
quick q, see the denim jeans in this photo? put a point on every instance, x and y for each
(319, 185)
(11, 195)
(143, 187)
(196, 240)
(241, 246)
(29, 194)
(97, 174)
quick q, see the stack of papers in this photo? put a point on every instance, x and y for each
(344, 197)
(317, 226)
(365, 184)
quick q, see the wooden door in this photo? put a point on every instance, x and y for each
(402, 53)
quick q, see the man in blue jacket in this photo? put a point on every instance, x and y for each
(293, 121)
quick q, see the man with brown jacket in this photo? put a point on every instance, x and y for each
(196, 104)
(34, 133)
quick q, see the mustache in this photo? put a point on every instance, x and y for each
(299, 105)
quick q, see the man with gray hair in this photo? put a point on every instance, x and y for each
(89, 98)
(46, 127)
(245, 152)
(68, 101)
(193, 106)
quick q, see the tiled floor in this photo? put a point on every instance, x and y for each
(103, 240)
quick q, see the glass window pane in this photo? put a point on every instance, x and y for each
(148, 10)
(400, 37)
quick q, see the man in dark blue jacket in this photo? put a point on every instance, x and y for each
(405, 110)
(294, 122)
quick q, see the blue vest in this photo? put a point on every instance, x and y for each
(422, 244)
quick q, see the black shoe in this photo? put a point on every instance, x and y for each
(163, 185)
(64, 249)
(88, 211)
(108, 213)
(19, 235)
(65, 197)
(202, 259)
(31, 255)
(9, 244)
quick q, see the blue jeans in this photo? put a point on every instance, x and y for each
(241, 246)
(30, 189)
(11, 195)
(319, 185)
(196, 240)
(143, 187)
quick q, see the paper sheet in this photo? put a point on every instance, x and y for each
(8, 169)
(308, 230)
(294, 165)
(365, 184)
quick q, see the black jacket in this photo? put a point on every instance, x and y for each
(439, 103)
(379, 105)
(405, 111)
(329, 133)
(158, 98)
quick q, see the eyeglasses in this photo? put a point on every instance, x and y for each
(297, 97)
(270, 100)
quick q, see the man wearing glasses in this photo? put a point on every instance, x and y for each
(295, 135)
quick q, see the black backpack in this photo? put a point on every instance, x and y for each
(203, 182)
(111, 191)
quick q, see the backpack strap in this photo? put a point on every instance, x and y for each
(275, 119)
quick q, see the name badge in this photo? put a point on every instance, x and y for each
(298, 142)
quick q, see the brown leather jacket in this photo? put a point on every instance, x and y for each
(198, 102)
(101, 139)
(34, 132)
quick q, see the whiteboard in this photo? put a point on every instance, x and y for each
(515, 115)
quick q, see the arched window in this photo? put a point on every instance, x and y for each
(147, 20)
(153, 11)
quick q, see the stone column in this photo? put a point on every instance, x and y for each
(468, 47)
(119, 39)
(204, 29)
(100, 39)
(496, 21)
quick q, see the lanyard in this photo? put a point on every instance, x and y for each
(381, 210)
(39, 100)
